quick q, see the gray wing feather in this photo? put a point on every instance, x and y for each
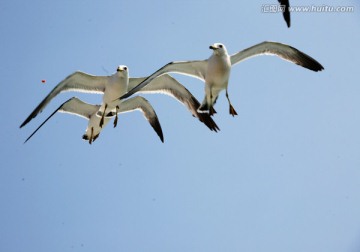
(77, 81)
(283, 51)
(195, 69)
(170, 86)
(73, 106)
(140, 103)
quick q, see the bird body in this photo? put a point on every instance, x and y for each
(75, 106)
(216, 77)
(215, 71)
(112, 87)
(116, 84)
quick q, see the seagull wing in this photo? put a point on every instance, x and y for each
(169, 86)
(77, 107)
(283, 51)
(140, 103)
(72, 106)
(286, 12)
(77, 81)
(195, 69)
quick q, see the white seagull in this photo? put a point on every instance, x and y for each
(90, 112)
(285, 5)
(118, 84)
(215, 71)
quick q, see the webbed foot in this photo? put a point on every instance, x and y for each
(232, 111)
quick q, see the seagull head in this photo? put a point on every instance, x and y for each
(218, 48)
(122, 70)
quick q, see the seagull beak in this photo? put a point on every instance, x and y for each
(212, 47)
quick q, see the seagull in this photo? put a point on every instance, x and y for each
(286, 12)
(215, 71)
(116, 85)
(90, 112)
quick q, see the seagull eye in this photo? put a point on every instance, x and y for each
(125, 68)
(220, 46)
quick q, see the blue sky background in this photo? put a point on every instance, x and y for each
(282, 176)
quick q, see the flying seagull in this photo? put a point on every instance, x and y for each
(285, 10)
(116, 85)
(215, 71)
(90, 112)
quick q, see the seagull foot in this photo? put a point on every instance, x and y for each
(212, 111)
(115, 121)
(232, 111)
(86, 137)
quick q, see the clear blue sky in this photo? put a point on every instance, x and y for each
(282, 176)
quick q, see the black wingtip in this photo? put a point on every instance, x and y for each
(286, 15)
(25, 122)
(160, 134)
(285, 5)
(124, 96)
(308, 62)
(53, 113)
(315, 66)
(35, 112)
(157, 127)
(42, 124)
(288, 23)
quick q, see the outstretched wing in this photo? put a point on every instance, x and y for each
(283, 51)
(195, 69)
(77, 81)
(286, 12)
(169, 86)
(140, 103)
(72, 106)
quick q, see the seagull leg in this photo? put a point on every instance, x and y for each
(207, 104)
(116, 116)
(231, 109)
(102, 117)
(211, 110)
(210, 107)
(91, 135)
